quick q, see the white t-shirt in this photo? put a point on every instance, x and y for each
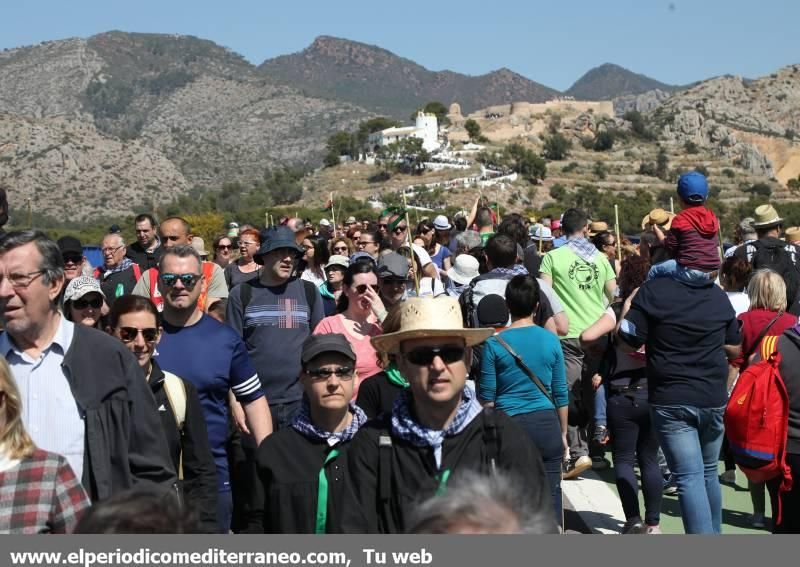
(739, 301)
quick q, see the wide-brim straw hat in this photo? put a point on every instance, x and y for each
(766, 217)
(660, 217)
(793, 234)
(428, 317)
(596, 227)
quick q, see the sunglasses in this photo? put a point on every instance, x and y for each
(129, 334)
(382, 225)
(224, 247)
(400, 229)
(95, 303)
(74, 259)
(343, 372)
(340, 248)
(393, 281)
(188, 280)
(424, 356)
(362, 289)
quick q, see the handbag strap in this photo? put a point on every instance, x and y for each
(761, 336)
(525, 368)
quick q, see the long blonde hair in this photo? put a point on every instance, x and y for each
(15, 440)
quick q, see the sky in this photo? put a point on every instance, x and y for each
(554, 43)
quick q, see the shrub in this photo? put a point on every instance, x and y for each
(572, 166)
(604, 141)
(691, 147)
(556, 147)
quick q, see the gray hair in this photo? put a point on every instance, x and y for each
(118, 235)
(183, 251)
(52, 265)
(467, 240)
(486, 503)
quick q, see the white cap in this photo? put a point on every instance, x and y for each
(80, 286)
(464, 270)
(338, 260)
(324, 222)
(543, 233)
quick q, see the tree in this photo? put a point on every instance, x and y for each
(600, 170)
(406, 155)
(662, 165)
(638, 124)
(526, 163)
(340, 144)
(556, 147)
(373, 125)
(473, 129)
(437, 108)
(604, 141)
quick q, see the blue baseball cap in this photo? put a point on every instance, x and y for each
(693, 187)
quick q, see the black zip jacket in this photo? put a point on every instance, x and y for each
(125, 446)
(199, 471)
(145, 259)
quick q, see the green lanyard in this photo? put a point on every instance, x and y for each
(322, 494)
(442, 488)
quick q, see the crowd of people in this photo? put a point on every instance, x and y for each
(379, 377)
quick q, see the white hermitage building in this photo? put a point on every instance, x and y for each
(426, 127)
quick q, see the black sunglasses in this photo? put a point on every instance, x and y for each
(74, 258)
(188, 280)
(400, 229)
(224, 247)
(362, 289)
(393, 281)
(82, 303)
(423, 356)
(129, 334)
(343, 372)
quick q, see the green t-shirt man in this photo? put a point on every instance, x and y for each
(485, 236)
(580, 285)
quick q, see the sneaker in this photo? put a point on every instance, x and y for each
(634, 526)
(577, 466)
(600, 435)
(670, 486)
(728, 477)
(653, 530)
(757, 521)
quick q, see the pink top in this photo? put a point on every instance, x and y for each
(366, 357)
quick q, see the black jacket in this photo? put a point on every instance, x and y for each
(145, 259)
(789, 347)
(288, 466)
(125, 445)
(414, 476)
(376, 395)
(126, 278)
(199, 471)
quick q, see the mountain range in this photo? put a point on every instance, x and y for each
(120, 121)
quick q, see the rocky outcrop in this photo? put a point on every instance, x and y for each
(644, 102)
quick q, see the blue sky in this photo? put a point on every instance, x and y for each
(555, 42)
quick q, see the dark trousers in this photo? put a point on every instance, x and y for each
(790, 501)
(635, 442)
(282, 415)
(224, 511)
(545, 432)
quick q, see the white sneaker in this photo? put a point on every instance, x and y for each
(577, 466)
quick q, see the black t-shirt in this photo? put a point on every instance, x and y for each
(684, 330)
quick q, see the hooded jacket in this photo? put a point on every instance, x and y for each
(694, 238)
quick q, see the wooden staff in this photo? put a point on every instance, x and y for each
(333, 216)
(616, 228)
(266, 219)
(411, 246)
(671, 206)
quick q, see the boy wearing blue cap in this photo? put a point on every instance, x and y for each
(693, 239)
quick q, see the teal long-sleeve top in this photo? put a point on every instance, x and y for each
(508, 386)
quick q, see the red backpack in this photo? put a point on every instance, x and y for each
(757, 420)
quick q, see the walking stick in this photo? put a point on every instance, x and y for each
(619, 241)
(333, 215)
(410, 245)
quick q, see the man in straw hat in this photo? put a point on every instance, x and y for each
(769, 251)
(437, 430)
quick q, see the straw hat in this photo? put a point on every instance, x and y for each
(596, 227)
(792, 234)
(200, 245)
(428, 317)
(660, 217)
(766, 217)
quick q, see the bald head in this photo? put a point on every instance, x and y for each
(175, 231)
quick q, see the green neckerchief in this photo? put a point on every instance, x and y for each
(394, 376)
(322, 494)
(442, 488)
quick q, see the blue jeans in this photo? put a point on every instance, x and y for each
(691, 438)
(671, 269)
(600, 404)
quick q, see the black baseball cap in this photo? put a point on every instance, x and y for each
(70, 245)
(315, 345)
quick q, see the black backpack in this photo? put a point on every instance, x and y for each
(777, 258)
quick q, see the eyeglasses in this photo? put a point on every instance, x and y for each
(20, 281)
(363, 243)
(247, 243)
(400, 229)
(308, 246)
(82, 303)
(362, 289)
(343, 372)
(129, 334)
(110, 250)
(188, 280)
(224, 247)
(610, 244)
(424, 356)
(72, 258)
